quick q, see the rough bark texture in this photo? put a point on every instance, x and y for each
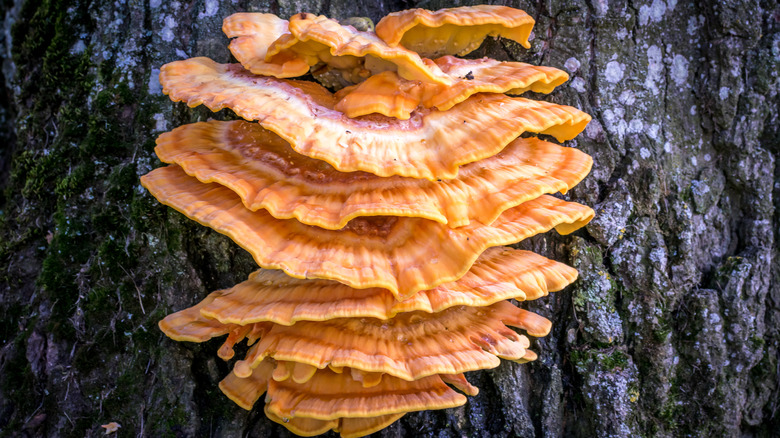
(671, 330)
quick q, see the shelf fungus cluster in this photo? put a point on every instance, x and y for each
(376, 213)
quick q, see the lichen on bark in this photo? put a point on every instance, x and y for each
(671, 330)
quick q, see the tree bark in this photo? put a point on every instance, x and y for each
(671, 330)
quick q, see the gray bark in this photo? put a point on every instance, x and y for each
(672, 328)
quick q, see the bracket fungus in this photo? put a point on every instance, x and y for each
(253, 35)
(388, 94)
(454, 31)
(314, 40)
(498, 274)
(266, 173)
(409, 346)
(431, 144)
(402, 254)
(377, 214)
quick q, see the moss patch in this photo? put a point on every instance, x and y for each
(71, 204)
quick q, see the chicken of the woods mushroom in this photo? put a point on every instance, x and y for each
(377, 213)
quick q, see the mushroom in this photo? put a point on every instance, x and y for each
(402, 254)
(254, 33)
(500, 273)
(190, 326)
(271, 297)
(329, 395)
(347, 427)
(431, 144)
(387, 223)
(314, 40)
(266, 173)
(409, 346)
(453, 31)
(390, 95)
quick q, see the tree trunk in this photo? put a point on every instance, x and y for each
(671, 330)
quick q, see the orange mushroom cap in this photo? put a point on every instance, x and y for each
(471, 334)
(245, 391)
(410, 346)
(254, 33)
(188, 325)
(313, 40)
(329, 395)
(388, 94)
(453, 31)
(191, 326)
(391, 300)
(384, 93)
(347, 427)
(403, 255)
(262, 169)
(499, 273)
(460, 383)
(431, 144)
(379, 56)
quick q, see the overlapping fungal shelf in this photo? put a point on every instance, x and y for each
(377, 214)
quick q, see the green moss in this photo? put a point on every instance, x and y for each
(39, 170)
(168, 425)
(17, 374)
(84, 358)
(672, 409)
(99, 303)
(121, 182)
(757, 342)
(662, 331)
(76, 181)
(577, 356)
(617, 359)
(606, 359)
(75, 175)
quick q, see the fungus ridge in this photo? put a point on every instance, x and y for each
(314, 40)
(330, 395)
(431, 144)
(254, 33)
(267, 174)
(388, 94)
(499, 273)
(316, 397)
(347, 427)
(403, 255)
(453, 31)
(409, 346)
